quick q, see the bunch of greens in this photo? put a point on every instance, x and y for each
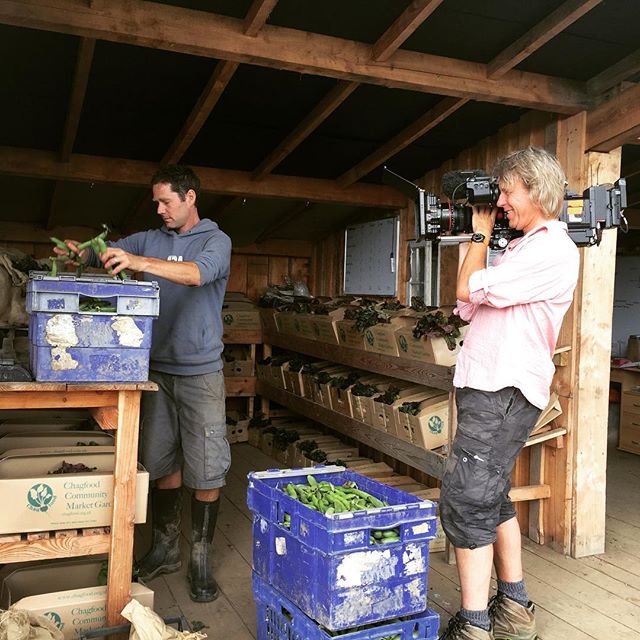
(438, 325)
(410, 408)
(365, 316)
(284, 437)
(389, 396)
(392, 305)
(366, 390)
(342, 382)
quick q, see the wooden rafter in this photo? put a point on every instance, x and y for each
(292, 214)
(83, 168)
(615, 74)
(566, 14)
(425, 123)
(317, 116)
(257, 16)
(210, 35)
(76, 101)
(614, 122)
(408, 21)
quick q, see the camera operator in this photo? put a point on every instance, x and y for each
(503, 373)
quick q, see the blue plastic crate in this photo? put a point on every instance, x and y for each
(326, 564)
(64, 293)
(279, 619)
(68, 345)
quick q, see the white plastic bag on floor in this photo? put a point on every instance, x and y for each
(146, 624)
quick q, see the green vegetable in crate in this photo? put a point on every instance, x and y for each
(342, 382)
(389, 396)
(437, 325)
(411, 408)
(366, 390)
(284, 437)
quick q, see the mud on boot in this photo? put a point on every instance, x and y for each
(511, 620)
(164, 555)
(203, 523)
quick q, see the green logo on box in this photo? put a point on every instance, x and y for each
(40, 497)
(435, 424)
(55, 618)
(369, 336)
(402, 343)
(227, 319)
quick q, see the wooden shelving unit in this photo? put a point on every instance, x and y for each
(421, 459)
(431, 375)
(243, 387)
(113, 406)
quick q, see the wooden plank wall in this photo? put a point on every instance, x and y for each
(252, 268)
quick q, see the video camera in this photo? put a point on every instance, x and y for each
(600, 207)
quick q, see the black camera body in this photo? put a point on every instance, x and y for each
(600, 207)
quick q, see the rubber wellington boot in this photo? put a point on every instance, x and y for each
(203, 523)
(164, 555)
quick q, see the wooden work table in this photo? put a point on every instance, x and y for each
(116, 407)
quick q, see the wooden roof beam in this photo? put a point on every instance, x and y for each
(314, 119)
(84, 168)
(410, 19)
(211, 94)
(614, 122)
(417, 129)
(615, 74)
(565, 15)
(257, 16)
(206, 34)
(84, 60)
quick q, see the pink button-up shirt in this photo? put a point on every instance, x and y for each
(515, 310)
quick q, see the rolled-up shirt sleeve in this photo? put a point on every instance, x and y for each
(526, 277)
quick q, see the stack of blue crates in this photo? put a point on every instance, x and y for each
(319, 576)
(70, 345)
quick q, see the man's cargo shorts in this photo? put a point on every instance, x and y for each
(493, 426)
(184, 426)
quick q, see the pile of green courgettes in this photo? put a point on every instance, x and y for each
(329, 498)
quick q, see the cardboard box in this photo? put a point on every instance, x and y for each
(298, 459)
(20, 426)
(243, 316)
(238, 430)
(361, 404)
(431, 350)
(549, 413)
(381, 338)
(269, 320)
(35, 501)
(390, 411)
(237, 361)
(323, 391)
(349, 336)
(296, 324)
(324, 326)
(66, 593)
(308, 382)
(43, 439)
(428, 429)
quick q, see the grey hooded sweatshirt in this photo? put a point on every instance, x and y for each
(187, 337)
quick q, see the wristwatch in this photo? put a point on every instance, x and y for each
(479, 237)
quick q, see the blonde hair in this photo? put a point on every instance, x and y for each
(541, 174)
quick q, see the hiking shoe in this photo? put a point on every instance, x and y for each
(461, 629)
(512, 621)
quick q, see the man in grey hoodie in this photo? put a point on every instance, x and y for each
(183, 436)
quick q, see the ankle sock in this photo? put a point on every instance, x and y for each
(477, 618)
(515, 590)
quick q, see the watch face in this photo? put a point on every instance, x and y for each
(477, 237)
